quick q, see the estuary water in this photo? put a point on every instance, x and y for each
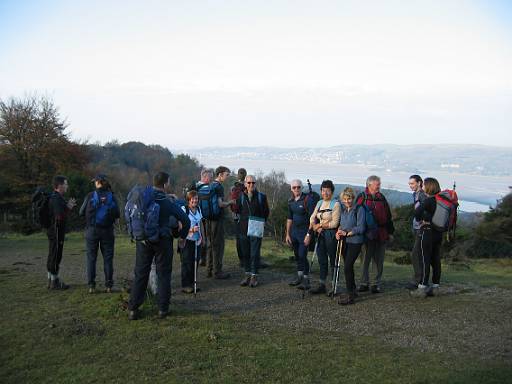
(476, 193)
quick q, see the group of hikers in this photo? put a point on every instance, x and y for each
(334, 229)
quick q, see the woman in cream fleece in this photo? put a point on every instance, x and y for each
(324, 221)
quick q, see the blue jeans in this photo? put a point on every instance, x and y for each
(250, 247)
(103, 238)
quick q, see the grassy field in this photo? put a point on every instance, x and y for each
(231, 334)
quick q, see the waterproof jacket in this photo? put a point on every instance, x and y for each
(381, 211)
(251, 207)
(353, 221)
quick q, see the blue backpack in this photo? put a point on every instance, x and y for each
(209, 200)
(372, 228)
(103, 208)
(142, 213)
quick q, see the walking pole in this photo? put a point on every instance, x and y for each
(195, 269)
(336, 274)
(314, 255)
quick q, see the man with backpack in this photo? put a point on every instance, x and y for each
(148, 213)
(101, 210)
(379, 229)
(57, 210)
(212, 204)
(419, 196)
(253, 208)
(300, 209)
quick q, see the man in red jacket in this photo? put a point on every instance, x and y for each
(376, 238)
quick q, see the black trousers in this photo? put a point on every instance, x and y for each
(56, 235)
(350, 254)
(145, 252)
(251, 248)
(416, 257)
(102, 238)
(188, 260)
(326, 252)
(430, 256)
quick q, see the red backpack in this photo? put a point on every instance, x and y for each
(445, 215)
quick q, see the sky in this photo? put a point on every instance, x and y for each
(189, 74)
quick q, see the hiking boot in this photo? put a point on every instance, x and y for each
(222, 276)
(295, 282)
(421, 292)
(163, 314)
(58, 284)
(363, 288)
(133, 315)
(91, 291)
(346, 300)
(187, 290)
(319, 289)
(411, 286)
(253, 283)
(305, 284)
(245, 282)
(376, 289)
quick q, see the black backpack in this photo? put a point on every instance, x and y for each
(41, 208)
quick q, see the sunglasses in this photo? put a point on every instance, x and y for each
(296, 187)
(250, 182)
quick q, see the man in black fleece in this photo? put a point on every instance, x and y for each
(252, 204)
(162, 251)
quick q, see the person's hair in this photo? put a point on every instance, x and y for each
(160, 179)
(105, 184)
(242, 172)
(206, 172)
(371, 179)
(296, 182)
(327, 184)
(190, 195)
(250, 176)
(58, 180)
(349, 192)
(418, 179)
(221, 169)
(431, 186)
